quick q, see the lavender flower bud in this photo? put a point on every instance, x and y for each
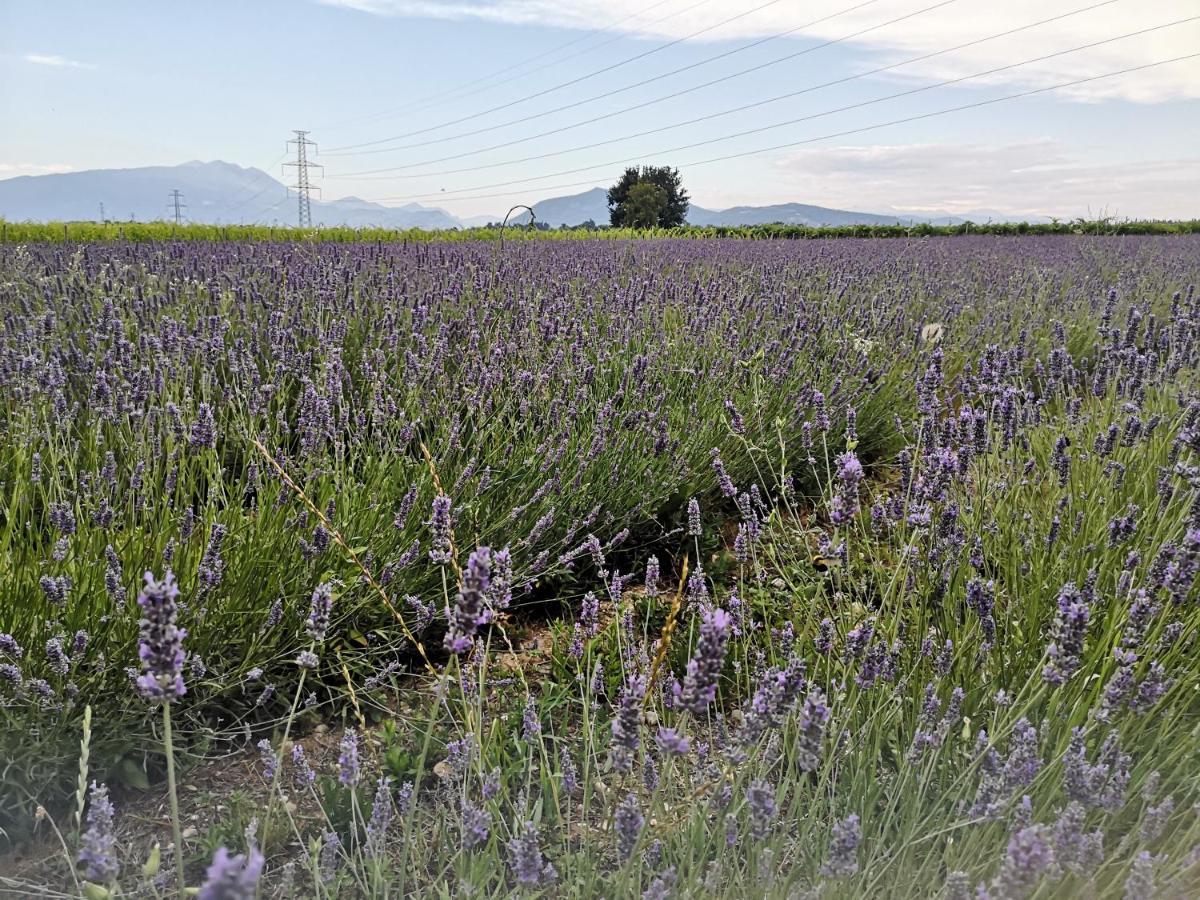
(626, 724)
(98, 845)
(699, 687)
(232, 877)
(724, 482)
(57, 658)
(652, 575)
(842, 859)
(1030, 855)
(1140, 883)
(760, 796)
(823, 642)
(302, 774)
(204, 429)
(1068, 634)
(531, 725)
(628, 824)
(330, 857)
(10, 647)
(671, 742)
(476, 826)
(270, 759)
(161, 644)
(469, 611)
(212, 566)
(320, 608)
(382, 810)
(439, 525)
(525, 858)
(814, 717)
(348, 769)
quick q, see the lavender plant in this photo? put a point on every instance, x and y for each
(941, 633)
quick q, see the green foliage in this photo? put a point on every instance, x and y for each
(634, 205)
(644, 206)
(23, 232)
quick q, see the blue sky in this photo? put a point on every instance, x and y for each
(123, 83)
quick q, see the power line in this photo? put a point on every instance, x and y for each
(822, 114)
(853, 131)
(176, 201)
(563, 84)
(303, 186)
(704, 118)
(442, 96)
(651, 80)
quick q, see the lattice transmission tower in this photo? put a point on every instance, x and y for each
(177, 206)
(303, 187)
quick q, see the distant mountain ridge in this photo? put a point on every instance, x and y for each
(593, 205)
(215, 193)
(224, 193)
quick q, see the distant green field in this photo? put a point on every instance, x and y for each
(160, 231)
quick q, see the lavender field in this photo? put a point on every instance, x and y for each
(660, 568)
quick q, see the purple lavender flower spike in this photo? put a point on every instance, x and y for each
(628, 824)
(302, 773)
(383, 808)
(845, 503)
(724, 482)
(270, 760)
(59, 662)
(760, 797)
(671, 742)
(476, 825)
(348, 766)
(204, 429)
(469, 610)
(320, 608)
(626, 725)
(439, 525)
(842, 859)
(10, 647)
(1068, 635)
(525, 858)
(1030, 855)
(232, 877)
(661, 886)
(652, 575)
(98, 845)
(160, 648)
(699, 687)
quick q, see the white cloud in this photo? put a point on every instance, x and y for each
(948, 26)
(13, 169)
(1032, 178)
(50, 59)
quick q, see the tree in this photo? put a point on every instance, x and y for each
(674, 206)
(644, 206)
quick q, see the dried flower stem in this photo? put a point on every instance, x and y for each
(668, 630)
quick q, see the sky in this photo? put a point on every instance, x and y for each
(474, 105)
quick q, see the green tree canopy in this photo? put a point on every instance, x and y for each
(674, 199)
(645, 205)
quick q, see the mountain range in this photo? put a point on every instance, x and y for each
(224, 193)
